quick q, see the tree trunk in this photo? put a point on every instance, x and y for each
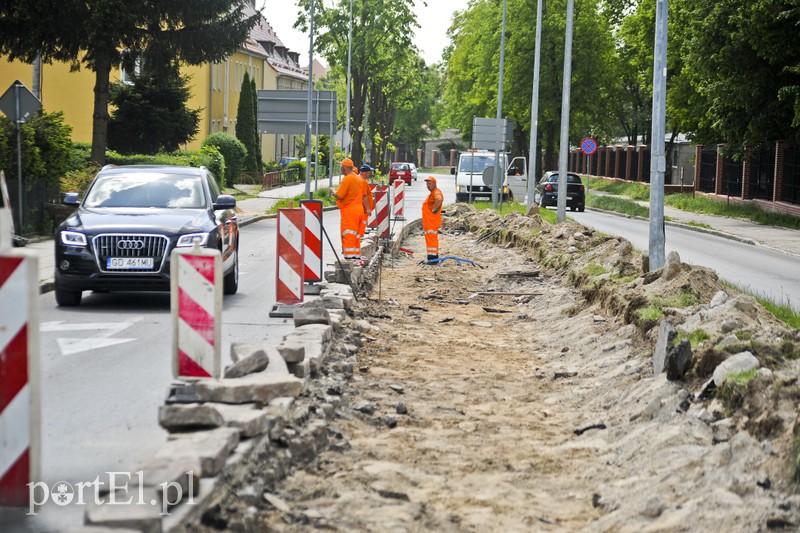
(100, 115)
(357, 101)
(550, 162)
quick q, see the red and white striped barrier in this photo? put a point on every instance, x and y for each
(382, 212)
(196, 299)
(19, 371)
(290, 267)
(372, 219)
(312, 251)
(398, 200)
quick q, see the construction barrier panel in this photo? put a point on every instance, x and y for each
(290, 267)
(20, 410)
(196, 301)
(312, 250)
(398, 200)
(372, 220)
(382, 212)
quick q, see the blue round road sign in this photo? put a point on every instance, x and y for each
(588, 146)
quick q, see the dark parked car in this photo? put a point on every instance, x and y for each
(132, 217)
(547, 189)
(284, 161)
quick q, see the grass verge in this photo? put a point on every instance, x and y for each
(618, 205)
(782, 311)
(323, 194)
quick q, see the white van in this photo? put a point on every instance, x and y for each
(474, 174)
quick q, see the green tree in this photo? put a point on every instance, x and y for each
(471, 76)
(151, 115)
(94, 35)
(382, 30)
(739, 83)
(232, 150)
(246, 123)
(258, 154)
(46, 148)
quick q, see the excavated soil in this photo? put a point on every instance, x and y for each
(535, 408)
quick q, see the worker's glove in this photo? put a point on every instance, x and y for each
(435, 211)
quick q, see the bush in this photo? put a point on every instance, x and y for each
(211, 158)
(46, 148)
(297, 164)
(78, 180)
(272, 166)
(80, 156)
(179, 159)
(232, 150)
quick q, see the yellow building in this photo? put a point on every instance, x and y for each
(215, 87)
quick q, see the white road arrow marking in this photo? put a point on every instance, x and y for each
(73, 345)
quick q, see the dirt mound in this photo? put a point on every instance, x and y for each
(520, 395)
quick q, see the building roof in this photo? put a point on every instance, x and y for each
(264, 42)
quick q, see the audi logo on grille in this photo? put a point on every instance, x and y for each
(130, 244)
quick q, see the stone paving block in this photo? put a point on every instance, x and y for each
(246, 418)
(277, 364)
(301, 370)
(145, 518)
(310, 315)
(174, 475)
(322, 331)
(292, 350)
(211, 448)
(180, 417)
(254, 388)
(250, 358)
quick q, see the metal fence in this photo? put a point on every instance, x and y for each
(708, 170)
(790, 191)
(731, 177)
(762, 173)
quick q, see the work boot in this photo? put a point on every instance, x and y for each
(433, 259)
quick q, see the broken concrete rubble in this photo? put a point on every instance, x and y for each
(249, 357)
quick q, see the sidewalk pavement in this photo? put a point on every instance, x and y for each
(254, 209)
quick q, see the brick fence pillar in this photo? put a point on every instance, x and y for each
(420, 158)
(746, 165)
(720, 168)
(644, 152)
(617, 151)
(698, 163)
(435, 158)
(780, 158)
(453, 157)
(628, 162)
(607, 170)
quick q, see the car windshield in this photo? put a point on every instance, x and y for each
(399, 166)
(476, 163)
(146, 189)
(571, 178)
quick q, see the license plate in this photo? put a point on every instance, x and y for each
(129, 263)
(569, 197)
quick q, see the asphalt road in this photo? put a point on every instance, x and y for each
(762, 271)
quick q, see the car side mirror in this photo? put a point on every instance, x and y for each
(453, 171)
(225, 201)
(71, 199)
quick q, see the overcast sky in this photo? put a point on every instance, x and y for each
(430, 38)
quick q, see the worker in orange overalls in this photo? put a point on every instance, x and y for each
(364, 173)
(432, 217)
(350, 199)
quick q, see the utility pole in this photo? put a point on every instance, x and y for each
(309, 113)
(535, 110)
(349, 61)
(499, 174)
(658, 161)
(563, 149)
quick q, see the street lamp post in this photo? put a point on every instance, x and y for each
(310, 98)
(497, 182)
(658, 162)
(349, 60)
(563, 150)
(535, 109)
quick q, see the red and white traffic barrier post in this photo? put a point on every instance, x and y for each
(20, 408)
(372, 219)
(382, 212)
(312, 249)
(398, 200)
(196, 300)
(290, 263)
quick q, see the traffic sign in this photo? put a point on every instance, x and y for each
(588, 146)
(29, 105)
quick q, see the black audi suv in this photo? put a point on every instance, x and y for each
(121, 235)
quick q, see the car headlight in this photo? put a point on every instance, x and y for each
(188, 239)
(73, 238)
